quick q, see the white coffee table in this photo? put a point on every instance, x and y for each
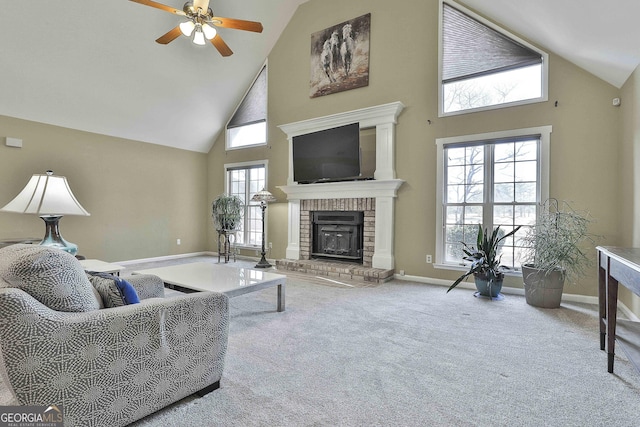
(232, 281)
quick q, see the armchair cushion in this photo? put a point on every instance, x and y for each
(52, 276)
(114, 291)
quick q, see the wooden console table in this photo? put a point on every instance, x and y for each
(618, 266)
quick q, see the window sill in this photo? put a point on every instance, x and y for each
(260, 144)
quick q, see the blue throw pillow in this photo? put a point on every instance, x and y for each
(113, 290)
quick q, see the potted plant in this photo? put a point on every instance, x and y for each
(555, 251)
(485, 261)
(226, 212)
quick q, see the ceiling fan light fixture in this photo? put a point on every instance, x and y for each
(187, 28)
(198, 36)
(209, 31)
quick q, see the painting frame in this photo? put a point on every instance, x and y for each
(340, 57)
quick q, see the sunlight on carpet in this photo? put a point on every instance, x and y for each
(336, 282)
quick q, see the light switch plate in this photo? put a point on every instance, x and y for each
(13, 142)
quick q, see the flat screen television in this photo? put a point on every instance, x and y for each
(327, 155)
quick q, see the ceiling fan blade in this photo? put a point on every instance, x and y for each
(170, 36)
(237, 24)
(160, 6)
(221, 46)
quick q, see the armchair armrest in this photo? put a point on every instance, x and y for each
(147, 285)
(112, 366)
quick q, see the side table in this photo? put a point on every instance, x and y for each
(618, 266)
(226, 245)
(101, 266)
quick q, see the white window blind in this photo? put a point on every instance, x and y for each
(471, 49)
(248, 125)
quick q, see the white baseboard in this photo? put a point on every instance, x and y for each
(164, 258)
(584, 299)
(192, 254)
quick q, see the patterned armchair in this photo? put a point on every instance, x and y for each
(105, 367)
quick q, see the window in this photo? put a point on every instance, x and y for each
(248, 125)
(495, 179)
(244, 180)
(483, 66)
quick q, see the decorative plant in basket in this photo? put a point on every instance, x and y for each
(226, 212)
(556, 248)
(485, 261)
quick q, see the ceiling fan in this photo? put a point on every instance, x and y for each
(200, 23)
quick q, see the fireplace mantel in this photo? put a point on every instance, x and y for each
(343, 190)
(383, 187)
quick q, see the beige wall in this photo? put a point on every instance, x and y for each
(404, 67)
(141, 197)
(629, 166)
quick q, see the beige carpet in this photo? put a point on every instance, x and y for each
(407, 354)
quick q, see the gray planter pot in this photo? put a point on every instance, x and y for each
(542, 289)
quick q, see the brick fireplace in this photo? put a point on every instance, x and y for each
(366, 206)
(375, 198)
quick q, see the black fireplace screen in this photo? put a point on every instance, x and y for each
(338, 235)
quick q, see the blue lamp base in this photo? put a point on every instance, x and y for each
(53, 238)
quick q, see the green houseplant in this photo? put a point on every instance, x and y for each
(555, 250)
(485, 261)
(226, 211)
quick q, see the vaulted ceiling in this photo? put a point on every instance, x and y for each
(94, 65)
(601, 37)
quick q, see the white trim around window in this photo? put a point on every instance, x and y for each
(544, 133)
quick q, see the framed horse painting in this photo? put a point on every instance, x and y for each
(340, 57)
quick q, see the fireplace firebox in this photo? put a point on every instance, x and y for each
(338, 235)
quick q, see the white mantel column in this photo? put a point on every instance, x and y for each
(385, 215)
(385, 151)
(293, 245)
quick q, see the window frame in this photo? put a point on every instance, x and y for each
(488, 138)
(248, 165)
(545, 64)
(228, 146)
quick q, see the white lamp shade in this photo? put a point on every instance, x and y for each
(209, 31)
(46, 195)
(187, 28)
(198, 37)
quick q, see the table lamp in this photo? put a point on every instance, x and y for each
(263, 197)
(49, 197)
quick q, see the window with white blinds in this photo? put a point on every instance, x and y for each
(248, 125)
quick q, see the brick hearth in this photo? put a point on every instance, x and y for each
(336, 270)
